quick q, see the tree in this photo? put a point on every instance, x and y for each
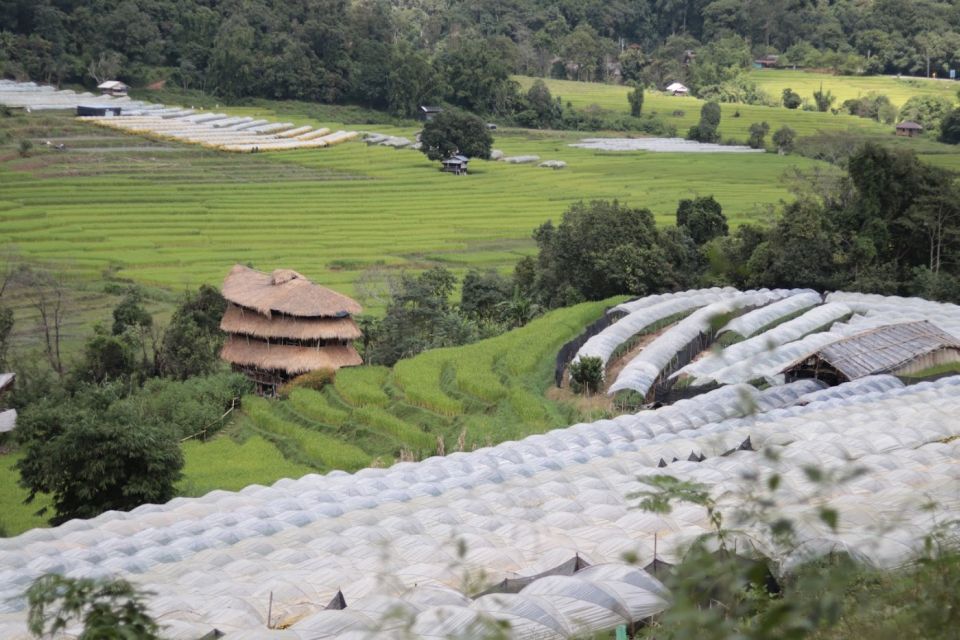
(799, 250)
(25, 147)
(90, 463)
(784, 138)
(108, 608)
(483, 293)
(600, 249)
(632, 61)
(477, 77)
(823, 100)
(106, 357)
(105, 66)
(706, 130)
(412, 81)
(131, 317)
(587, 372)
(929, 111)
(635, 98)
(545, 110)
(453, 132)
(950, 128)
(191, 343)
(758, 131)
(702, 218)
(791, 99)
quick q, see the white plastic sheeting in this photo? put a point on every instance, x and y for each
(606, 342)
(643, 370)
(899, 309)
(389, 538)
(751, 353)
(642, 303)
(749, 323)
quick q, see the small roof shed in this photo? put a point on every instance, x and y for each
(898, 349)
(113, 88)
(6, 381)
(677, 89)
(428, 113)
(909, 128)
(456, 164)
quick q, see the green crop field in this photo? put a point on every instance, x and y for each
(899, 90)
(181, 217)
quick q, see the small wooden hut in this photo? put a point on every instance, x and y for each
(909, 129)
(281, 325)
(456, 164)
(113, 88)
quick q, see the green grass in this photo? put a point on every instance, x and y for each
(222, 463)
(15, 516)
(899, 90)
(315, 405)
(320, 450)
(362, 386)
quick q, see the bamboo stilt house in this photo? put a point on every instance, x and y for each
(281, 325)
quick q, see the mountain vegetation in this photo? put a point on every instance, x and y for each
(395, 56)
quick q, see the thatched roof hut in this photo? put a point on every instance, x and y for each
(285, 291)
(281, 325)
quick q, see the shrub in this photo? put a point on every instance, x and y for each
(315, 380)
(784, 139)
(587, 372)
(26, 146)
(791, 99)
(758, 131)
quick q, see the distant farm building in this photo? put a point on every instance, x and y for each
(898, 349)
(766, 62)
(281, 325)
(909, 129)
(429, 113)
(456, 164)
(113, 88)
(8, 418)
(678, 89)
(98, 110)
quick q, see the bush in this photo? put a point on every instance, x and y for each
(26, 146)
(791, 99)
(758, 131)
(587, 372)
(784, 139)
(315, 380)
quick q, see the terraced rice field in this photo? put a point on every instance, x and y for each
(179, 217)
(899, 90)
(438, 401)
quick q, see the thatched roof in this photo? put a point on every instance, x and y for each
(250, 323)
(285, 291)
(292, 360)
(883, 349)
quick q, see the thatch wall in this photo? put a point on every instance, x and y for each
(289, 359)
(285, 291)
(250, 323)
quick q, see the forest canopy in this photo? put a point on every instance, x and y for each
(397, 55)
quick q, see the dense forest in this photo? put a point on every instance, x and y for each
(396, 54)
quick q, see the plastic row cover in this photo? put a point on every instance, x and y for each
(749, 323)
(642, 303)
(640, 373)
(899, 309)
(607, 341)
(765, 343)
(521, 524)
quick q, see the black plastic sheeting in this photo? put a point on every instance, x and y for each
(514, 585)
(338, 602)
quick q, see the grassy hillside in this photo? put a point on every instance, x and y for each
(469, 397)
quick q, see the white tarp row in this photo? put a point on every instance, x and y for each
(518, 509)
(899, 309)
(749, 323)
(219, 131)
(747, 351)
(643, 370)
(642, 303)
